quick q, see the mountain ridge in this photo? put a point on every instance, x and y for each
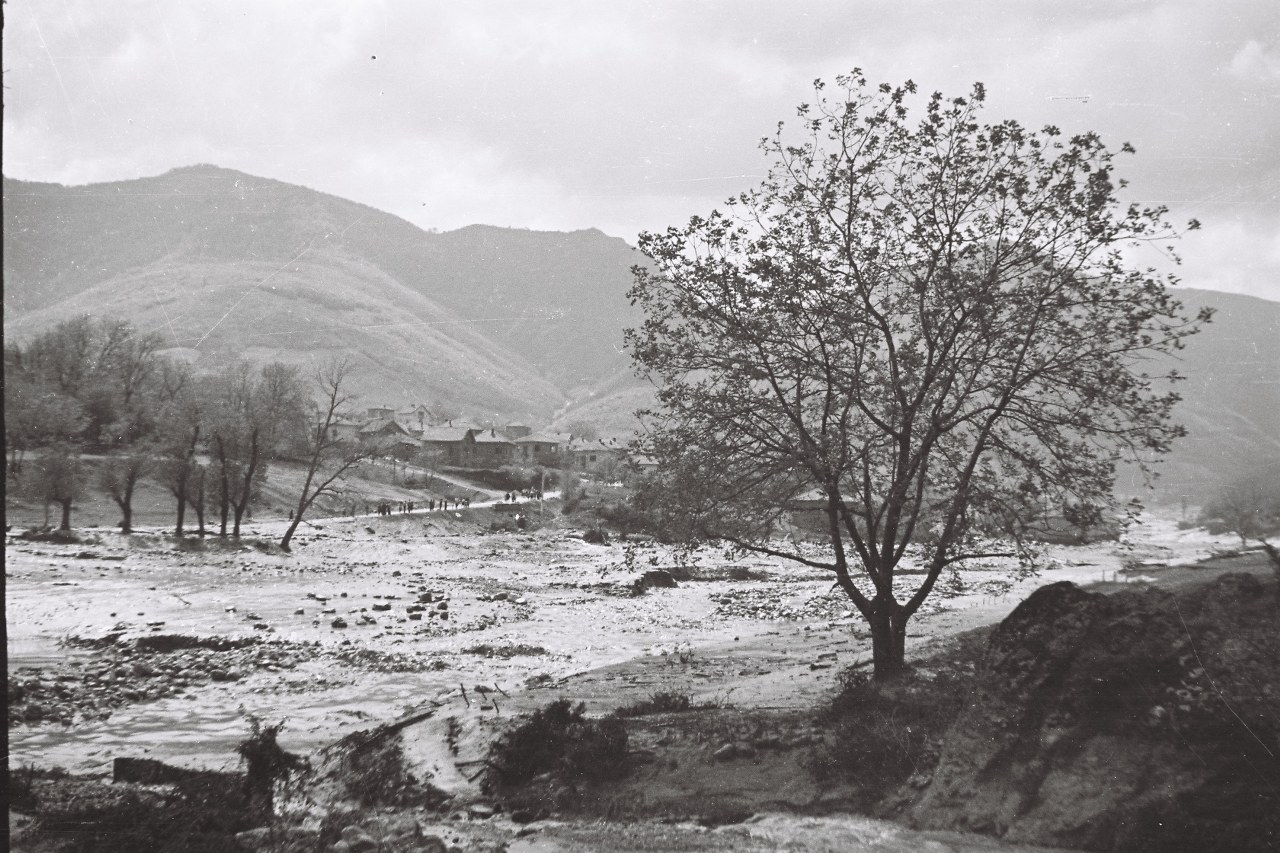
(549, 299)
(494, 322)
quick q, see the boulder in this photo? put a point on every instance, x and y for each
(654, 579)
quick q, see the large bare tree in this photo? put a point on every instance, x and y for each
(927, 323)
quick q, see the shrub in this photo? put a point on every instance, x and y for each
(266, 763)
(883, 734)
(558, 739)
(658, 703)
(626, 518)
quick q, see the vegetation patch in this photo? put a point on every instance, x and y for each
(883, 735)
(74, 815)
(174, 642)
(559, 744)
(661, 702)
(373, 772)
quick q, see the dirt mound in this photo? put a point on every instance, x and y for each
(1136, 721)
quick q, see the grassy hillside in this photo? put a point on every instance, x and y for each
(226, 262)
(329, 304)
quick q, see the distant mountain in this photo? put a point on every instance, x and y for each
(1230, 405)
(493, 321)
(1230, 398)
(222, 263)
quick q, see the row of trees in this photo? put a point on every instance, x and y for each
(102, 386)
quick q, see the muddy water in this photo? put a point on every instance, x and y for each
(763, 832)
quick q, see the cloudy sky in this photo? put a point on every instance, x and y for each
(626, 116)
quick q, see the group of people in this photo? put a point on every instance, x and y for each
(531, 494)
(391, 508)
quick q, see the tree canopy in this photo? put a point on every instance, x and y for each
(929, 325)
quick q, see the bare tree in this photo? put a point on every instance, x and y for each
(1249, 507)
(247, 419)
(58, 477)
(119, 477)
(182, 413)
(329, 455)
(919, 324)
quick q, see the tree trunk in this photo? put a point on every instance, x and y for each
(126, 508)
(888, 641)
(182, 512)
(224, 509)
(66, 515)
(288, 534)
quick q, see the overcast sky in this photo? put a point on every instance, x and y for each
(626, 116)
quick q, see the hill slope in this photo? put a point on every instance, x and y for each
(224, 262)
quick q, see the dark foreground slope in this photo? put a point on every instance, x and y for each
(1136, 721)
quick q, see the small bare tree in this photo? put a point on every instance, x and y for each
(1248, 507)
(119, 477)
(59, 478)
(329, 455)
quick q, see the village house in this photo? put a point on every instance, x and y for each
(492, 449)
(415, 419)
(538, 448)
(389, 434)
(640, 463)
(343, 429)
(409, 432)
(448, 446)
(596, 457)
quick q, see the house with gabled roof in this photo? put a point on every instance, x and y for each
(390, 434)
(492, 449)
(592, 456)
(538, 448)
(448, 445)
